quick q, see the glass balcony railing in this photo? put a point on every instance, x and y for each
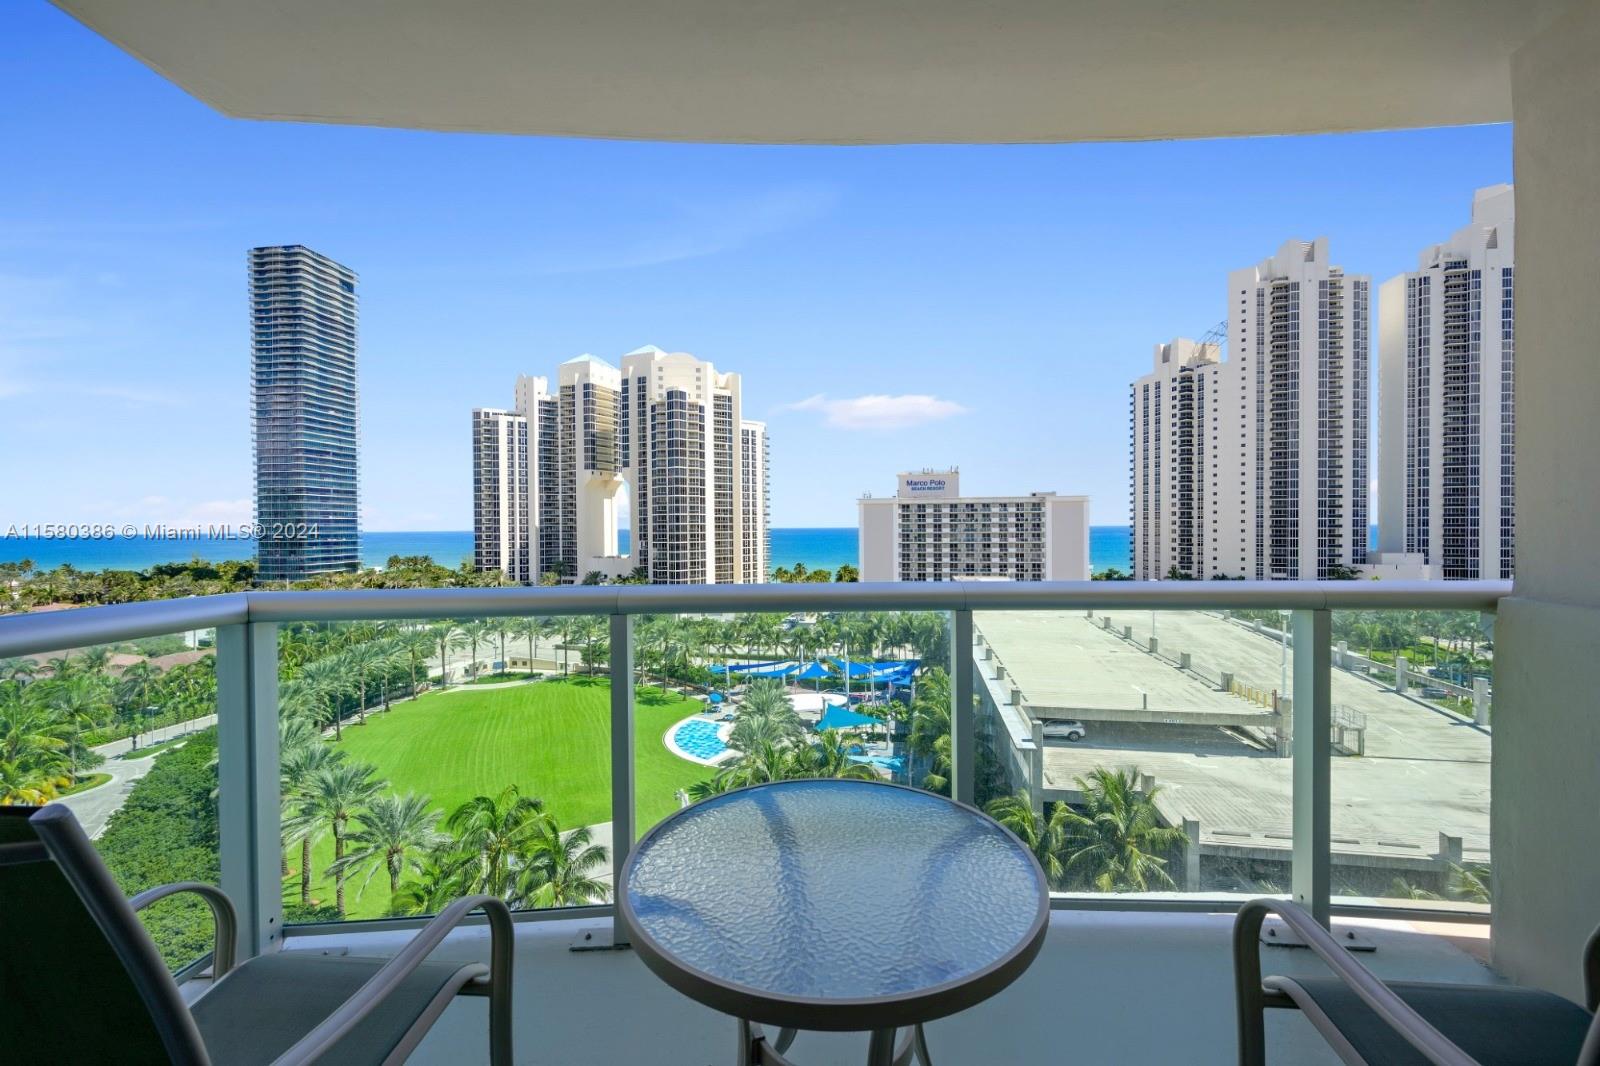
(342, 756)
(123, 732)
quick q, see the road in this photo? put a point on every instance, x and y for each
(95, 807)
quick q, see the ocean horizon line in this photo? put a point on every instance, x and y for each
(817, 547)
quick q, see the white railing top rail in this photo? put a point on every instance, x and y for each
(42, 631)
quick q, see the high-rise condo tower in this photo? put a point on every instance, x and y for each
(661, 440)
(1446, 429)
(1257, 466)
(306, 413)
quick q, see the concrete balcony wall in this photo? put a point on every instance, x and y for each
(1547, 729)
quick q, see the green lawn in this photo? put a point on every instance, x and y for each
(552, 739)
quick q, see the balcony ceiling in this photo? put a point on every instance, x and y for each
(839, 71)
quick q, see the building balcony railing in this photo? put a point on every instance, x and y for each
(1256, 700)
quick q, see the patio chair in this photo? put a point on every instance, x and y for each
(81, 981)
(1398, 1023)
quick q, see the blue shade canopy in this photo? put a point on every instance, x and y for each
(833, 890)
(772, 669)
(844, 718)
(814, 671)
(894, 670)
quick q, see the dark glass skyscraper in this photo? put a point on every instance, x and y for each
(306, 415)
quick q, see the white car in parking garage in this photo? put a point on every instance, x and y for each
(1064, 729)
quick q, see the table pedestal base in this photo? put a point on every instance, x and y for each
(756, 1050)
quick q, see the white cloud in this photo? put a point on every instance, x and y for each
(878, 411)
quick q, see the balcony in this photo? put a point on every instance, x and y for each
(1183, 681)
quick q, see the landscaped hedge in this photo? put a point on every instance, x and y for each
(167, 831)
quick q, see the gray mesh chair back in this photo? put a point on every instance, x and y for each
(79, 976)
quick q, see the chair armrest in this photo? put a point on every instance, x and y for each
(1591, 972)
(224, 919)
(319, 1040)
(1394, 1011)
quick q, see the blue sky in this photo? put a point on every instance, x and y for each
(1002, 298)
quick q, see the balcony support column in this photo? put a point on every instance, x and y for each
(1312, 746)
(963, 723)
(622, 811)
(248, 805)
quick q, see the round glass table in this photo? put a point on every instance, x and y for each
(833, 905)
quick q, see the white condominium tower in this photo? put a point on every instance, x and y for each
(503, 527)
(1446, 430)
(1174, 412)
(755, 532)
(1256, 467)
(928, 531)
(507, 489)
(683, 452)
(663, 434)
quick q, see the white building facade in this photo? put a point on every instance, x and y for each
(1257, 466)
(1173, 488)
(503, 530)
(660, 440)
(755, 530)
(928, 531)
(1447, 430)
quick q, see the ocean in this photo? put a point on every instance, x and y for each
(823, 548)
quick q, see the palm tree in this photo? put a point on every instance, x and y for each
(439, 874)
(564, 627)
(930, 728)
(360, 660)
(82, 702)
(327, 680)
(1470, 881)
(415, 645)
(1038, 834)
(560, 873)
(1113, 843)
(445, 633)
(529, 629)
(35, 745)
(334, 794)
(828, 757)
(765, 716)
(302, 755)
(471, 635)
(133, 691)
(594, 635)
(393, 833)
(498, 833)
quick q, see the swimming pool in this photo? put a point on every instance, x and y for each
(698, 738)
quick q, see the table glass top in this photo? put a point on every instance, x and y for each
(834, 890)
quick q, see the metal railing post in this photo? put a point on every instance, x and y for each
(622, 812)
(963, 723)
(248, 813)
(1312, 745)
